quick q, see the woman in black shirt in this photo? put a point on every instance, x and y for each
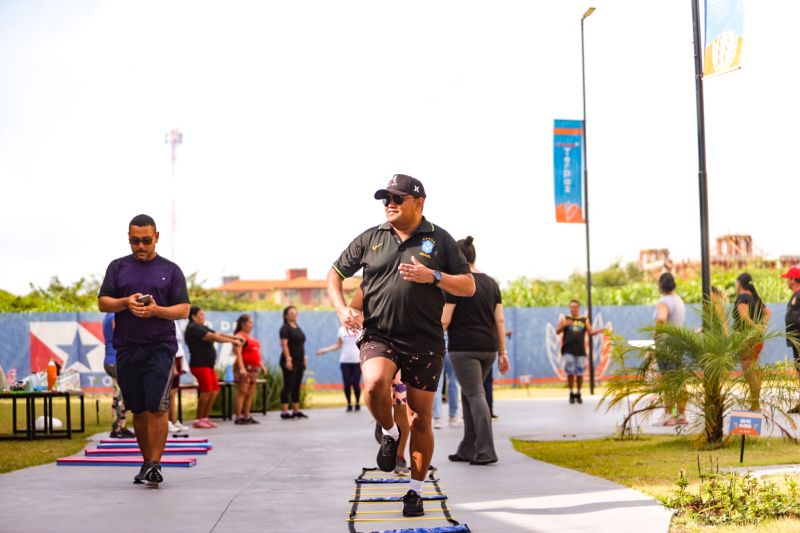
(749, 311)
(475, 333)
(293, 363)
(200, 340)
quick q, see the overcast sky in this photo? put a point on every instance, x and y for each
(294, 113)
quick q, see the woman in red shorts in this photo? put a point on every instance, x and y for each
(248, 364)
(200, 340)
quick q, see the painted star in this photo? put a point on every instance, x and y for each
(77, 351)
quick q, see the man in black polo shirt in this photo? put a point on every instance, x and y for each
(407, 262)
(792, 277)
(147, 293)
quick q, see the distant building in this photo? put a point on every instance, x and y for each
(654, 259)
(295, 289)
(732, 251)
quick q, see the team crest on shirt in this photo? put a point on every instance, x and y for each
(427, 247)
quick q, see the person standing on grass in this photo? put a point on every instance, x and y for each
(200, 340)
(670, 309)
(407, 263)
(792, 319)
(349, 363)
(146, 293)
(574, 329)
(248, 364)
(293, 363)
(749, 311)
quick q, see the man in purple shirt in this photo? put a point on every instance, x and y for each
(147, 293)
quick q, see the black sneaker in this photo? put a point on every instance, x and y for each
(378, 433)
(153, 474)
(349, 408)
(358, 407)
(251, 420)
(138, 479)
(299, 414)
(571, 397)
(127, 433)
(578, 397)
(240, 421)
(412, 504)
(286, 415)
(387, 454)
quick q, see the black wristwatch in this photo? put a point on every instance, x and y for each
(437, 277)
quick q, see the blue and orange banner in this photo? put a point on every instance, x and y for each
(568, 170)
(724, 36)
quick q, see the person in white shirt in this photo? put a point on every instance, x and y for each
(173, 424)
(350, 363)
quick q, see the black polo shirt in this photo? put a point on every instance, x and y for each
(403, 313)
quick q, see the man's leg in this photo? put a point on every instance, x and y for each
(154, 429)
(140, 425)
(420, 406)
(378, 373)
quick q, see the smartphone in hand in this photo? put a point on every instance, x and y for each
(144, 299)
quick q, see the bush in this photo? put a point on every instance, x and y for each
(732, 499)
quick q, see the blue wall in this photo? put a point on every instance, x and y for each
(533, 348)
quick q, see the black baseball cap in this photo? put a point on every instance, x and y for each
(402, 184)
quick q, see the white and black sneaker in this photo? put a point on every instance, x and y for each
(387, 454)
(138, 479)
(153, 474)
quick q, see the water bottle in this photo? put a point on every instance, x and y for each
(52, 373)
(229, 373)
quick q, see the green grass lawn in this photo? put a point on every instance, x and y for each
(652, 464)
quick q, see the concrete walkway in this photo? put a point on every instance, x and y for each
(297, 475)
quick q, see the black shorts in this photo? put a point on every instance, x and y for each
(145, 375)
(420, 370)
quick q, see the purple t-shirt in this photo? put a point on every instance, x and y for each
(160, 278)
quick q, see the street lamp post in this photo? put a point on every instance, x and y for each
(173, 138)
(705, 262)
(586, 15)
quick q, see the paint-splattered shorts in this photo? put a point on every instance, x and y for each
(420, 370)
(399, 390)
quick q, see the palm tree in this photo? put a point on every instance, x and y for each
(706, 375)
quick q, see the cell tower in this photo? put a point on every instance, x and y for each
(173, 138)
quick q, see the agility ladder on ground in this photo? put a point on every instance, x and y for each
(374, 487)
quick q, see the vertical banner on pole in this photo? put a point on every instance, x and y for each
(724, 36)
(568, 170)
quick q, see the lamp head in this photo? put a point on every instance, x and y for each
(588, 13)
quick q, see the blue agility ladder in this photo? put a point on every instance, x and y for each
(369, 491)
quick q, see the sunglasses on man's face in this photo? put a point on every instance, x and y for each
(147, 241)
(394, 199)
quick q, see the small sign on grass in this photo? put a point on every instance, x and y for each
(745, 423)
